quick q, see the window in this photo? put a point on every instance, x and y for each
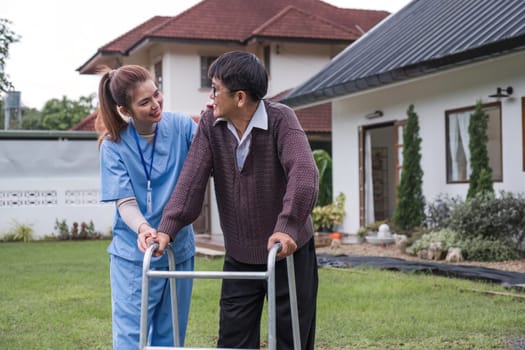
(206, 62)
(457, 142)
(158, 74)
(267, 55)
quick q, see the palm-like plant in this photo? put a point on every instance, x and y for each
(324, 165)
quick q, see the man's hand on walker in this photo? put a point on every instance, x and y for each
(288, 244)
(163, 239)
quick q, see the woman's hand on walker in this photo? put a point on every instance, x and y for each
(146, 236)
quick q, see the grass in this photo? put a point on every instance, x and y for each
(55, 295)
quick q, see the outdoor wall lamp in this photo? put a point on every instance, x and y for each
(374, 114)
(501, 92)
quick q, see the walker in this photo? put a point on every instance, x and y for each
(268, 275)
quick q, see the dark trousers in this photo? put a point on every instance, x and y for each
(242, 303)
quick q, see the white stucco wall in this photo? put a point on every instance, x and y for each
(431, 96)
(293, 64)
(44, 180)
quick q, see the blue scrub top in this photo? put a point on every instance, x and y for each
(123, 175)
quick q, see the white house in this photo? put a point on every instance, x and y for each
(442, 56)
(293, 38)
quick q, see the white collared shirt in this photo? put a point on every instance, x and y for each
(259, 120)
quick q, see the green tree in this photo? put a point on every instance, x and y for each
(32, 119)
(409, 212)
(324, 165)
(480, 180)
(63, 114)
(7, 37)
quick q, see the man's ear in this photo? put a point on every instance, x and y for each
(242, 98)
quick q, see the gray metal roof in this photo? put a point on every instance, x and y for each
(424, 37)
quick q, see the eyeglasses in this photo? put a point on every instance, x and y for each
(215, 92)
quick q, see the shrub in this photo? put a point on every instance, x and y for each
(90, 231)
(19, 232)
(492, 218)
(62, 230)
(481, 249)
(409, 212)
(80, 232)
(446, 237)
(472, 248)
(488, 228)
(8, 237)
(480, 178)
(437, 214)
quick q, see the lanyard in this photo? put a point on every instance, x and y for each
(149, 205)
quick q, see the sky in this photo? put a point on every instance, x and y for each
(58, 36)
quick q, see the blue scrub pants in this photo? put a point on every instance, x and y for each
(126, 294)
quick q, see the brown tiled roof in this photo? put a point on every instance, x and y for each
(241, 21)
(124, 42)
(86, 124)
(285, 24)
(237, 20)
(315, 119)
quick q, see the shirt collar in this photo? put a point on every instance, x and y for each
(259, 119)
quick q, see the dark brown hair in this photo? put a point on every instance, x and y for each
(115, 89)
(241, 71)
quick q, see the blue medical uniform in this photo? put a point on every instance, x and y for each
(123, 175)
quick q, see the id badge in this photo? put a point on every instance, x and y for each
(149, 204)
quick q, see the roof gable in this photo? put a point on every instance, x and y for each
(424, 37)
(241, 21)
(290, 22)
(237, 20)
(87, 123)
(124, 42)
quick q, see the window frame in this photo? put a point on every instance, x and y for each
(447, 142)
(157, 69)
(205, 62)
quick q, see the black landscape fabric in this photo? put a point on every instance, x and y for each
(505, 278)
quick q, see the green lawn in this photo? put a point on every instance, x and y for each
(55, 295)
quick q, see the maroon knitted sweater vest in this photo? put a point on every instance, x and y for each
(275, 191)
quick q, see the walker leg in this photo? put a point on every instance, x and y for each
(173, 295)
(293, 302)
(143, 338)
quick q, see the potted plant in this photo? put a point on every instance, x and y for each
(327, 217)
